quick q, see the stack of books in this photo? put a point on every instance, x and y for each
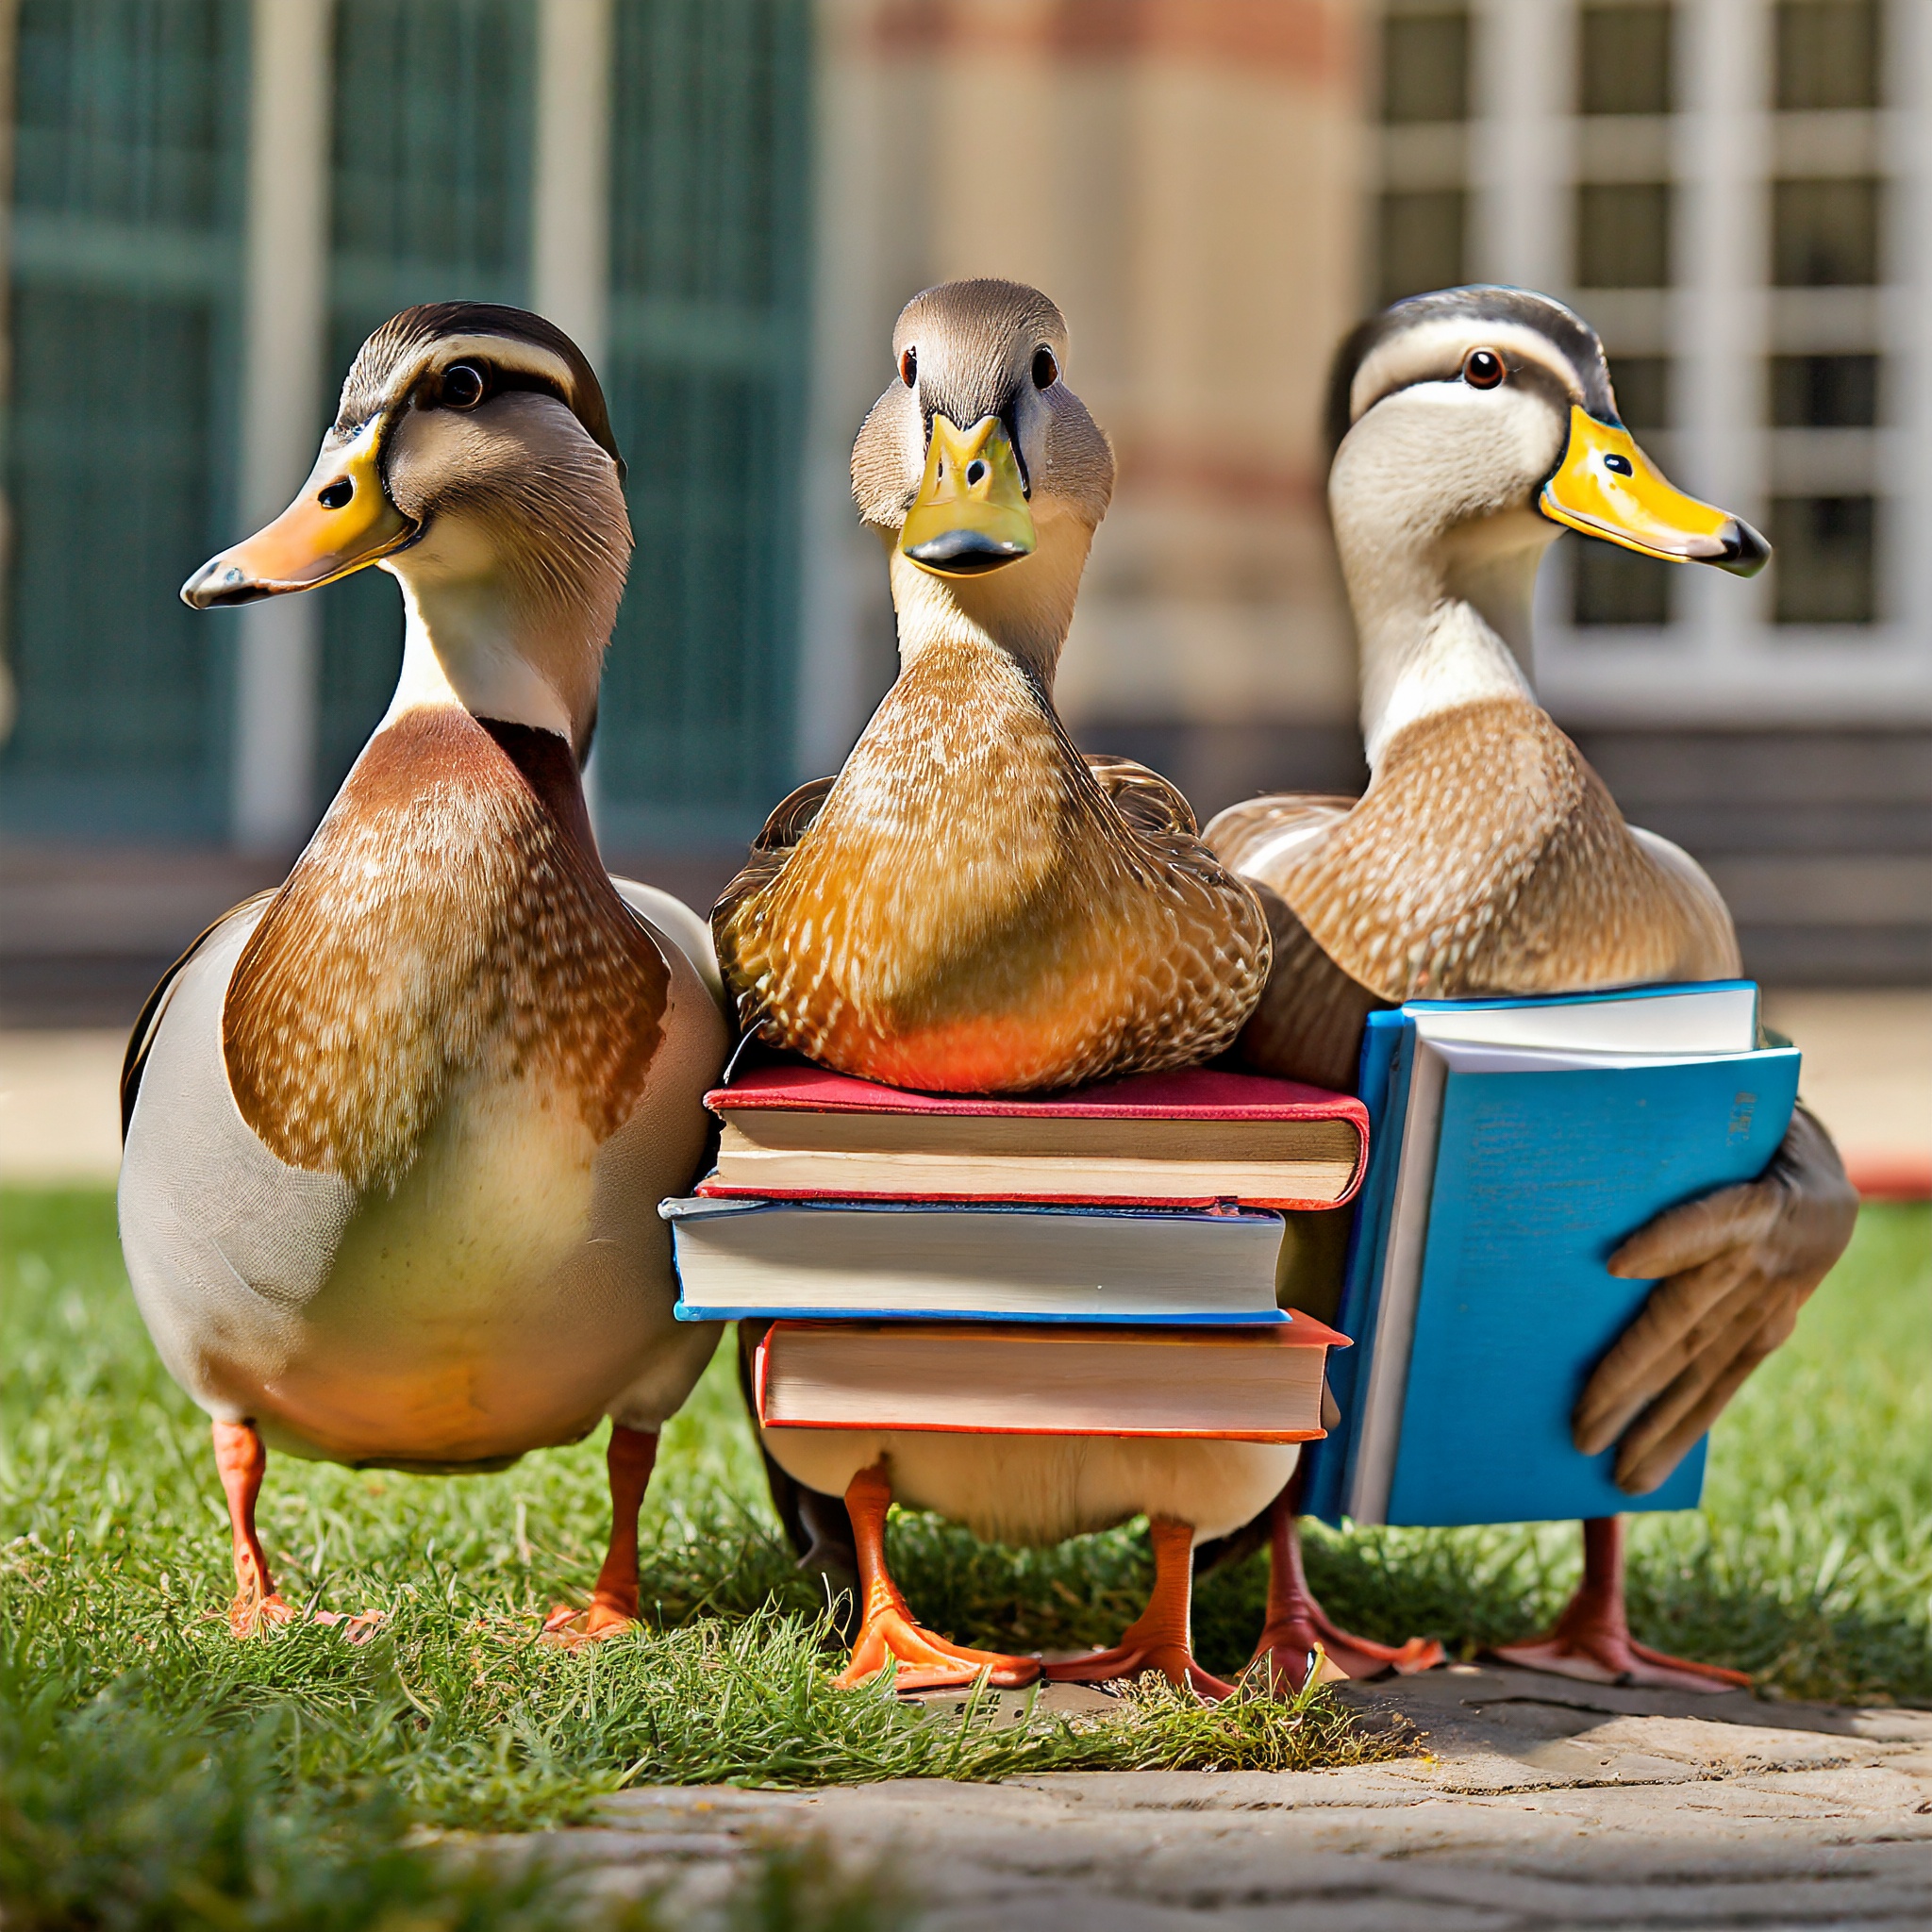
(1101, 1262)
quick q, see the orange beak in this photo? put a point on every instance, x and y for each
(1607, 487)
(340, 520)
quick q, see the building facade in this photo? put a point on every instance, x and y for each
(211, 202)
(1739, 195)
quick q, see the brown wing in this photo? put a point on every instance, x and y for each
(788, 823)
(140, 1042)
(1260, 837)
(1309, 1025)
(1146, 800)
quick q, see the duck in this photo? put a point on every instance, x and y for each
(394, 1133)
(1469, 428)
(972, 906)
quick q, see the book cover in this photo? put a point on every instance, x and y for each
(1199, 1093)
(1186, 1139)
(981, 1261)
(1539, 1177)
(1231, 1385)
(1536, 1177)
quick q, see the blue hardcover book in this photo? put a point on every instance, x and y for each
(1514, 1145)
(973, 1262)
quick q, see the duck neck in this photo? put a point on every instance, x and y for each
(522, 642)
(1442, 623)
(1022, 611)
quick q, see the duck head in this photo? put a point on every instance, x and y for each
(472, 459)
(1469, 428)
(983, 473)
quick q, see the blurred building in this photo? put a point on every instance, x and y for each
(727, 201)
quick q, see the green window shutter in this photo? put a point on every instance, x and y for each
(430, 180)
(706, 370)
(129, 171)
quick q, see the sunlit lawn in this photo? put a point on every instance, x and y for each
(1810, 1565)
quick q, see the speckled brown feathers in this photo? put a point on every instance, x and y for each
(970, 908)
(1486, 858)
(446, 924)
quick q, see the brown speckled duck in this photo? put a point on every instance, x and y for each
(1470, 427)
(972, 907)
(396, 1133)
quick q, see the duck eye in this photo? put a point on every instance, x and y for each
(462, 386)
(1483, 369)
(1618, 466)
(337, 494)
(1046, 372)
(908, 367)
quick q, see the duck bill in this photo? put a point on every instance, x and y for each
(971, 514)
(340, 520)
(1607, 487)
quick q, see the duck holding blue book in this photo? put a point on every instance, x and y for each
(1470, 427)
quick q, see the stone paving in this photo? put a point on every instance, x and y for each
(1535, 1803)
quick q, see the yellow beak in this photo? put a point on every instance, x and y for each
(971, 514)
(1607, 487)
(340, 520)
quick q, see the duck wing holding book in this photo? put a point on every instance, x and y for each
(1470, 427)
(396, 1133)
(974, 907)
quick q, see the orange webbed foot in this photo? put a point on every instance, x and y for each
(629, 1457)
(1298, 1629)
(1603, 1657)
(926, 1661)
(1174, 1661)
(602, 1617)
(249, 1615)
(1591, 1641)
(1161, 1638)
(887, 1632)
(1288, 1645)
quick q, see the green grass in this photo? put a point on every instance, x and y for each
(155, 1773)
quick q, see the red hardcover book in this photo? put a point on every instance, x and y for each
(1184, 1139)
(1254, 1385)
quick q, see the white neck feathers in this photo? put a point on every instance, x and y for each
(1025, 608)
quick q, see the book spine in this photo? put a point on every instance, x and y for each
(915, 1428)
(1325, 1481)
(731, 1191)
(1083, 1318)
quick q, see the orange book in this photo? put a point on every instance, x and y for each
(1246, 1384)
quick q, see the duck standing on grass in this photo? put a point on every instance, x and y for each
(1470, 426)
(396, 1133)
(973, 906)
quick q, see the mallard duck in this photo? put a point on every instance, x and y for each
(1470, 427)
(973, 906)
(396, 1133)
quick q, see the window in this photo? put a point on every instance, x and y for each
(1624, 60)
(430, 200)
(1827, 54)
(1425, 66)
(1824, 391)
(1623, 235)
(1825, 234)
(1643, 384)
(1822, 560)
(1420, 243)
(709, 239)
(129, 136)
